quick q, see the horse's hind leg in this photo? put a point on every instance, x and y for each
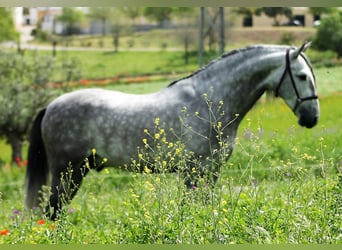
(65, 185)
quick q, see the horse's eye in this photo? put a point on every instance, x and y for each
(302, 77)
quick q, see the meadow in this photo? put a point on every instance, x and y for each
(282, 184)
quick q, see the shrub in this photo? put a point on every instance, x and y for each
(329, 34)
(287, 38)
(322, 58)
(25, 89)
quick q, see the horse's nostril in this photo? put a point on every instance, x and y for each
(308, 121)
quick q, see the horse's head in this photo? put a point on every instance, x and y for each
(297, 86)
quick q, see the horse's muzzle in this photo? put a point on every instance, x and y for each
(308, 120)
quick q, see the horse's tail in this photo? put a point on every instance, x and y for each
(37, 169)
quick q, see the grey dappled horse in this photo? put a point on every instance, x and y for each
(64, 134)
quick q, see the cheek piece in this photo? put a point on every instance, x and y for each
(288, 70)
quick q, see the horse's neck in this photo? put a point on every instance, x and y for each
(239, 79)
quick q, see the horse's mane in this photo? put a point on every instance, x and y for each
(227, 54)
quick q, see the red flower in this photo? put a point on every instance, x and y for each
(20, 162)
(4, 232)
(41, 222)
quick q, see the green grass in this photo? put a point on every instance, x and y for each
(328, 80)
(98, 64)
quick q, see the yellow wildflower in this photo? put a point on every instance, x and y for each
(147, 170)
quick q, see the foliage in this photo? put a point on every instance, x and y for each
(161, 14)
(131, 12)
(244, 11)
(275, 13)
(323, 58)
(104, 14)
(322, 10)
(24, 88)
(71, 17)
(7, 31)
(329, 34)
(287, 38)
(41, 35)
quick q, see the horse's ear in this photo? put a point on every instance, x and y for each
(302, 48)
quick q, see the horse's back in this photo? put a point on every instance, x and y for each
(110, 121)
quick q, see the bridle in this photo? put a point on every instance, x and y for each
(289, 71)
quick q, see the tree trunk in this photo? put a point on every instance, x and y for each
(16, 144)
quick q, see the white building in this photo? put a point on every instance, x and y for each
(24, 16)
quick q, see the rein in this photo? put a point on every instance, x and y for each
(289, 71)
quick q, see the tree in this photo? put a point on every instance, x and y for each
(25, 89)
(275, 13)
(317, 12)
(159, 14)
(71, 17)
(101, 13)
(247, 13)
(186, 36)
(244, 11)
(329, 34)
(131, 12)
(7, 31)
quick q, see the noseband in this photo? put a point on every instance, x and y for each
(289, 71)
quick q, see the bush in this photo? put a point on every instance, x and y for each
(287, 38)
(40, 35)
(322, 58)
(329, 34)
(25, 89)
